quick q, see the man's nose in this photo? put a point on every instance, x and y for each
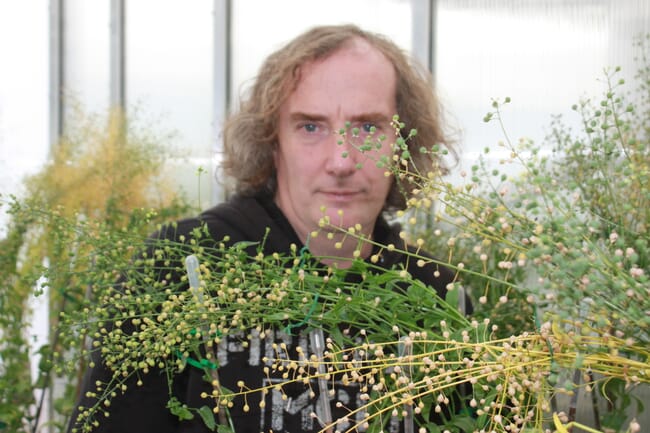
(342, 156)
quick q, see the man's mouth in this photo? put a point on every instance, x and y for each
(341, 195)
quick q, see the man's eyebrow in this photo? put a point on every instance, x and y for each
(299, 115)
(368, 117)
(371, 116)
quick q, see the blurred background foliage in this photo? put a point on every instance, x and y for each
(108, 175)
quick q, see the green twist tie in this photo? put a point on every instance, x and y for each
(303, 250)
(202, 364)
(289, 327)
(214, 334)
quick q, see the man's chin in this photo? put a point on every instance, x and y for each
(338, 225)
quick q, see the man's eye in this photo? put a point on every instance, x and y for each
(369, 127)
(310, 127)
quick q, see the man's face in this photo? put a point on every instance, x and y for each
(314, 170)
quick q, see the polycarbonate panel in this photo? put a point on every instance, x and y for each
(24, 143)
(86, 54)
(545, 55)
(24, 132)
(169, 77)
(259, 27)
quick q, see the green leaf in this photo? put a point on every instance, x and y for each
(452, 297)
(464, 423)
(245, 244)
(208, 417)
(224, 429)
(336, 335)
(179, 409)
(433, 428)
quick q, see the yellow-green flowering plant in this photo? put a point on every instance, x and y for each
(90, 199)
(567, 236)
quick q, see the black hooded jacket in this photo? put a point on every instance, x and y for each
(143, 409)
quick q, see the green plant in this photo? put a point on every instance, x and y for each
(567, 236)
(101, 175)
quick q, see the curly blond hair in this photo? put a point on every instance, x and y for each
(251, 134)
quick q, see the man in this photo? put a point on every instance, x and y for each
(294, 151)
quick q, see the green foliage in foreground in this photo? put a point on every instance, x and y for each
(92, 193)
(565, 238)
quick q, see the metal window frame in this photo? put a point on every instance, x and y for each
(56, 76)
(117, 76)
(221, 98)
(424, 22)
